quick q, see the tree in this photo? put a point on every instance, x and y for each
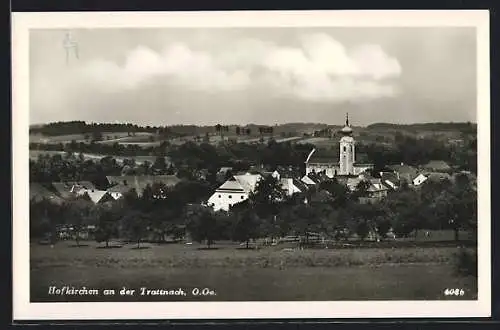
(135, 225)
(97, 136)
(457, 207)
(246, 226)
(78, 215)
(107, 225)
(203, 227)
(306, 219)
(362, 219)
(339, 192)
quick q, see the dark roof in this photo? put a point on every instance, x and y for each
(39, 192)
(405, 171)
(438, 176)
(437, 165)
(63, 189)
(389, 177)
(139, 182)
(323, 157)
(301, 185)
(287, 172)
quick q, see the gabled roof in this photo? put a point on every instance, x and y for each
(389, 176)
(352, 183)
(98, 196)
(437, 165)
(438, 176)
(301, 185)
(374, 187)
(405, 171)
(231, 185)
(322, 157)
(139, 182)
(39, 192)
(66, 189)
(248, 181)
(119, 188)
(307, 180)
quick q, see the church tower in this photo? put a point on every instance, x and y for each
(346, 160)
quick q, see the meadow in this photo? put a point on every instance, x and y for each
(270, 273)
(33, 155)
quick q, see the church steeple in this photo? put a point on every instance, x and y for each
(347, 130)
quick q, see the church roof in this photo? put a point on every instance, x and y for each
(346, 130)
(323, 157)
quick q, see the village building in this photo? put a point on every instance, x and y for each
(421, 178)
(119, 185)
(38, 192)
(235, 190)
(437, 166)
(70, 189)
(390, 179)
(96, 196)
(238, 188)
(345, 164)
(404, 173)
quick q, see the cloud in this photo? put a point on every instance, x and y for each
(318, 68)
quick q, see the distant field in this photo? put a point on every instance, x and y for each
(266, 274)
(138, 159)
(107, 136)
(316, 140)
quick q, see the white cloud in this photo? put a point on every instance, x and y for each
(318, 69)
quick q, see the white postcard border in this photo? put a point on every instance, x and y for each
(24, 310)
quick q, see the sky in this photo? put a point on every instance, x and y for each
(254, 75)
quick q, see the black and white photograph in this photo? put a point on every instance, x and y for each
(300, 158)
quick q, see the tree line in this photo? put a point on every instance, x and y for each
(330, 209)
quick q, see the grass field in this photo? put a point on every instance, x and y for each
(107, 136)
(33, 154)
(237, 274)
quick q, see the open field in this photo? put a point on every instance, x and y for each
(138, 159)
(107, 137)
(237, 274)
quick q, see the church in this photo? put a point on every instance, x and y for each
(345, 164)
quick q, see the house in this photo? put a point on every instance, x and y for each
(287, 172)
(377, 190)
(38, 192)
(438, 177)
(69, 189)
(97, 196)
(390, 179)
(306, 179)
(437, 166)
(352, 183)
(404, 173)
(421, 178)
(235, 190)
(123, 183)
(375, 193)
(289, 186)
(303, 187)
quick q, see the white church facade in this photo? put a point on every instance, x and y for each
(345, 164)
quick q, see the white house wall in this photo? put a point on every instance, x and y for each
(223, 200)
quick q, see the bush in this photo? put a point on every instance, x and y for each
(466, 263)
